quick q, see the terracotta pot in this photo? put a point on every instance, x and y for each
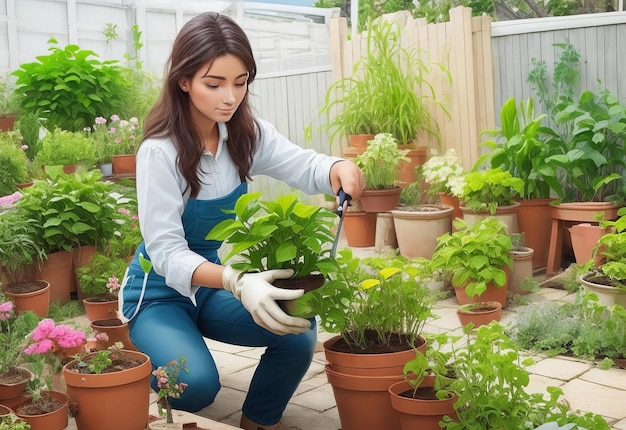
(11, 391)
(359, 140)
(522, 269)
(417, 413)
(489, 311)
(7, 122)
(123, 164)
(386, 364)
(30, 296)
(506, 214)
(417, 230)
(363, 401)
(577, 212)
(406, 169)
(534, 220)
(100, 307)
(117, 332)
(380, 200)
(24, 185)
(4, 411)
(493, 293)
(126, 395)
(56, 420)
(360, 228)
(584, 237)
(450, 200)
(607, 295)
(58, 269)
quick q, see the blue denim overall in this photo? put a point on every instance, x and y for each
(168, 326)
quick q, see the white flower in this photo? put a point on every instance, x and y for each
(439, 171)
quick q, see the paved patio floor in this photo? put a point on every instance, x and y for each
(586, 387)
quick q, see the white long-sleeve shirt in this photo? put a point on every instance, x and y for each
(161, 202)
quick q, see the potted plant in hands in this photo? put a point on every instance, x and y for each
(478, 259)
(379, 164)
(281, 234)
(423, 398)
(488, 193)
(608, 278)
(116, 377)
(168, 385)
(379, 307)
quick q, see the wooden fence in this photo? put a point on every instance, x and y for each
(463, 47)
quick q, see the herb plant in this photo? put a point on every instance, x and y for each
(65, 148)
(485, 190)
(380, 161)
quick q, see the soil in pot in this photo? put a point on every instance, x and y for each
(306, 283)
(396, 343)
(119, 362)
(45, 405)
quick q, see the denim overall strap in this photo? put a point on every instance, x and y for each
(199, 217)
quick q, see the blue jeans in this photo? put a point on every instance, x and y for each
(167, 329)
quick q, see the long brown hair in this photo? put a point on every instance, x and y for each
(201, 40)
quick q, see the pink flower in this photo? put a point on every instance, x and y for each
(113, 285)
(7, 201)
(40, 347)
(67, 337)
(101, 120)
(123, 211)
(118, 140)
(112, 130)
(115, 118)
(135, 217)
(24, 147)
(6, 310)
(43, 329)
(102, 337)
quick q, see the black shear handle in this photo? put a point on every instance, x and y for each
(344, 200)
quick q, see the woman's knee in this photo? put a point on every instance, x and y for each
(202, 388)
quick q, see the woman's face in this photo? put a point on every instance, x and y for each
(216, 92)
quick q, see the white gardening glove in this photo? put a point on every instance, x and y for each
(259, 296)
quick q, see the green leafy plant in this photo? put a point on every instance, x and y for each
(9, 99)
(491, 384)
(97, 362)
(485, 190)
(13, 162)
(517, 148)
(383, 295)
(117, 137)
(71, 210)
(96, 277)
(70, 86)
(474, 255)
(380, 161)
(280, 234)
(13, 422)
(611, 252)
(65, 148)
(15, 328)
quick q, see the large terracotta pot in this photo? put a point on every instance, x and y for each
(115, 400)
(30, 296)
(584, 238)
(11, 392)
(55, 420)
(415, 413)
(534, 220)
(360, 383)
(58, 269)
(406, 169)
(417, 229)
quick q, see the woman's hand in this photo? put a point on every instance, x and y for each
(345, 174)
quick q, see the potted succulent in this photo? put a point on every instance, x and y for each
(281, 234)
(478, 259)
(379, 164)
(607, 278)
(378, 307)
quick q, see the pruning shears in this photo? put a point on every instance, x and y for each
(344, 201)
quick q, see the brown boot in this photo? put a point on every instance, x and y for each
(247, 424)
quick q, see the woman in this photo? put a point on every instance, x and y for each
(201, 144)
